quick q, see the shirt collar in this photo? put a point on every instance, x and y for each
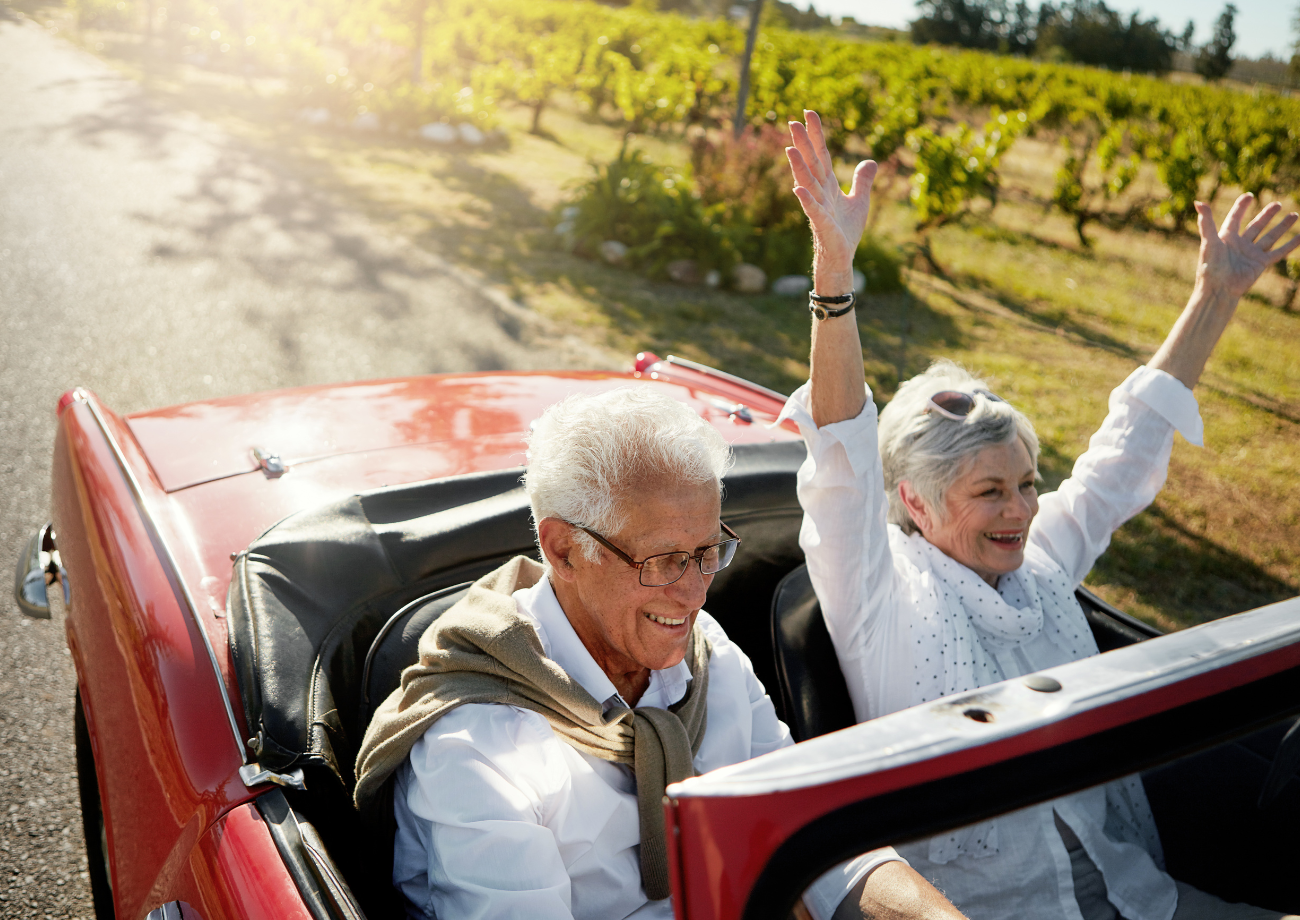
(561, 644)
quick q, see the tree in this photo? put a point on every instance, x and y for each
(968, 23)
(1215, 59)
(990, 25)
(1090, 32)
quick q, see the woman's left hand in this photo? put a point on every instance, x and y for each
(1232, 259)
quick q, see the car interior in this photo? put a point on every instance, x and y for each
(327, 608)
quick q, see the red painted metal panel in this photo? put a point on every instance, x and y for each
(464, 415)
(724, 843)
(236, 872)
(166, 759)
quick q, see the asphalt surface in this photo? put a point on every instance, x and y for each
(152, 258)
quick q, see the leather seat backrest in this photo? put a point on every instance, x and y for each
(814, 698)
(397, 646)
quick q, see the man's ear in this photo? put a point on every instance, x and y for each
(558, 544)
(916, 507)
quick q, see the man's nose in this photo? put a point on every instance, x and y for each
(692, 588)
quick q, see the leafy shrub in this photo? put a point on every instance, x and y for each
(745, 184)
(952, 169)
(882, 265)
(1074, 196)
(741, 208)
(650, 210)
(1181, 164)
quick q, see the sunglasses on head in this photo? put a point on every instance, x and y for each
(955, 404)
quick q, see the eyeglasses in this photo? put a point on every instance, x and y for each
(666, 568)
(955, 404)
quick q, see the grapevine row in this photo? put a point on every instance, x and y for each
(406, 63)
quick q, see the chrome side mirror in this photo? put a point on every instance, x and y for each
(39, 566)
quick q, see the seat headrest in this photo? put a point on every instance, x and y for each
(397, 646)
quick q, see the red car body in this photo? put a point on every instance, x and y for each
(149, 510)
(150, 507)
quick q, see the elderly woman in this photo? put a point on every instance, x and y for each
(933, 581)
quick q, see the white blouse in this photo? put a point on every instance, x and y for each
(497, 817)
(910, 625)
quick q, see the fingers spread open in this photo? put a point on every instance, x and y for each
(818, 138)
(803, 143)
(1256, 226)
(1290, 246)
(1232, 223)
(811, 206)
(1266, 241)
(803, 176)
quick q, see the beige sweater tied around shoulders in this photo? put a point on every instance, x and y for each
(482, 650)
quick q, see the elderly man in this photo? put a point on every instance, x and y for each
(550, 707)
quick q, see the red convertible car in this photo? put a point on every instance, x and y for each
(245, 579)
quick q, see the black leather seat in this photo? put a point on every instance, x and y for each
(814, 697)
(397, 646)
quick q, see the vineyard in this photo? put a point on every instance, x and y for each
(1043, 210)
(944, 119)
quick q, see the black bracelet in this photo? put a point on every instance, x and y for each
(817, 305)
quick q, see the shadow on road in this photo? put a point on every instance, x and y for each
(315, 255)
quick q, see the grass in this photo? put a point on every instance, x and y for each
(1054, 325)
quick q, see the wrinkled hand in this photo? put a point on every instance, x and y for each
(1232, 259)
(837, 219)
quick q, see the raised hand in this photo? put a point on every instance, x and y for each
(1232, 259)
(837, 219)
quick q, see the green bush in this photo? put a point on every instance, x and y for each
(745, 183)
(881, 263)
(740, 208)
(650, 210)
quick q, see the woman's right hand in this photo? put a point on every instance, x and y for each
(837, 219)
(1233, 258)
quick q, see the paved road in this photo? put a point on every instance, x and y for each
(150, 257)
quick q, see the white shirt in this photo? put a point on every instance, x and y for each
(869, 588)
(497, 817)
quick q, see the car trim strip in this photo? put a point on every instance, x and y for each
(723, 375)
(173, 570)
(324, 892)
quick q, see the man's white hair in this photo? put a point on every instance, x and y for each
(588, 454)
(930, 450)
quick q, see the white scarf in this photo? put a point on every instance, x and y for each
(981, 627)
(982, 624)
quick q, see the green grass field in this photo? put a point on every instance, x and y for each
(1055, 326)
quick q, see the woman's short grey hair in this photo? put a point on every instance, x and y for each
(587, 454)
(930, 450)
